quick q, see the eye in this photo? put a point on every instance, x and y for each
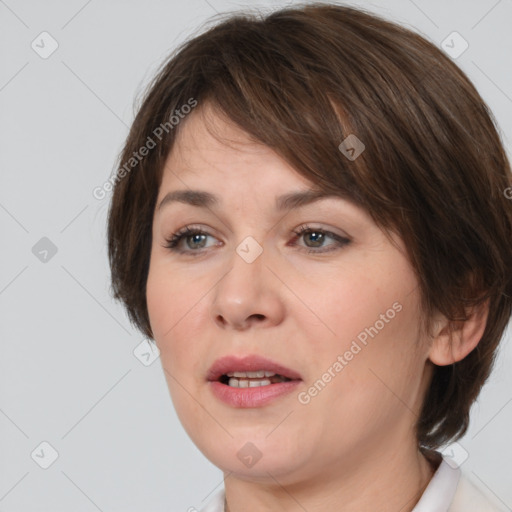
(195, 239)
(317, 236)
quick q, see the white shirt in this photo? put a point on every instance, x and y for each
(449, 490)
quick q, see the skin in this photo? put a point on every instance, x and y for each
(353, 444)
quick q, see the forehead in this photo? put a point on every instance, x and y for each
(209, 147)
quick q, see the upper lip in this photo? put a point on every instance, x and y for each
(248, 363)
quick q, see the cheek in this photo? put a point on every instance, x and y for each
(370, 319)
(383, 376)
(167, 302)
(338, 304)
(377, 381)
(176, 313)
(160, 302)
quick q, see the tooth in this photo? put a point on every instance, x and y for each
(256, 375)
(251, 375)
(257, 383)
(246, 383)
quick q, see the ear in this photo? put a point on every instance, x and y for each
(449, 347)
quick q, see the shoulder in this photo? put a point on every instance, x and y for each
(472, 497)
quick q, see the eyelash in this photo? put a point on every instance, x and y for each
(172, 242)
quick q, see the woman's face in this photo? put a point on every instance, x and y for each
(335, 309)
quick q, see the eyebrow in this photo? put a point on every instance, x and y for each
(202, 199)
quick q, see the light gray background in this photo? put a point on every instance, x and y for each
(68, 372)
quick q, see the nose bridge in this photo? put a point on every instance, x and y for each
(246, 292)
(243, 283)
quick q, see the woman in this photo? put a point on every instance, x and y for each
(310, 221)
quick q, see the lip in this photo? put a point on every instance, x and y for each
(249, 363)
(250, 397)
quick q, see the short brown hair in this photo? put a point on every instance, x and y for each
(300, 80)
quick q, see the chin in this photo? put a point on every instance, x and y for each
(254, 456)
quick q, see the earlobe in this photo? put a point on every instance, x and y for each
(450, 346)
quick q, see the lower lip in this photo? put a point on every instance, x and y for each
(251, 397)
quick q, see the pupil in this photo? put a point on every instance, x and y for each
(318, 241)
(194, 239)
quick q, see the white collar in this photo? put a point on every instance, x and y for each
(439, 493)
(437, 496)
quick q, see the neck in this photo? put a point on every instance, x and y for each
(394, 482)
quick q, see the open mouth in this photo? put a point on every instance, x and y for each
(252, 379)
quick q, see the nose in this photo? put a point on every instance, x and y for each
(248, 295)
